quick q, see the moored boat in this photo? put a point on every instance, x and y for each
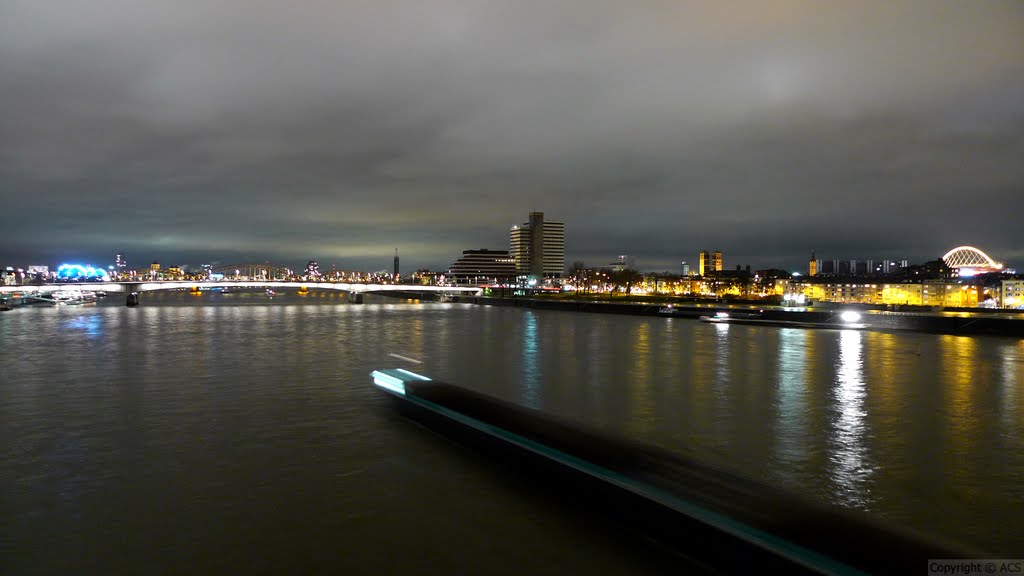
(72, 297)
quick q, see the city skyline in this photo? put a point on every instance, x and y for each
(342, 131)
(705, 260)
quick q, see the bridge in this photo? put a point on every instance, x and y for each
(132, 289)
(970, 259)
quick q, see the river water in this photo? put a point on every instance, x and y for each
(241, 433)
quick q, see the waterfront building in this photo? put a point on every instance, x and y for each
(39, 271)
(856, 267)
(174, 273)
(312, 269)
(812, 266)
(538, 247)
(483, 267)
(428, 277)
(684, 268)
(710, 262)
(931, 292)
(1011, 293)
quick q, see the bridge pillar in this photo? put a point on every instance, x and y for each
(132, 291)
(355, 297)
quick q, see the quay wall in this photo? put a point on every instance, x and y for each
(961, 323)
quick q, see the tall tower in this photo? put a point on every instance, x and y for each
(812, 266)
(538, 247)
(396, 265)
(703, 262)
(710, 262)
(537, 244)
(120, 265)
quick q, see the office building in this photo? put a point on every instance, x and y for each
(538, 247)
(483, 267)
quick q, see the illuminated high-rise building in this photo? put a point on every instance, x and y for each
(812, 266)
(538, 247)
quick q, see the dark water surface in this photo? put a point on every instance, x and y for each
(237, 433)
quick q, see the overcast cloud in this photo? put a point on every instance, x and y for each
(190, 132)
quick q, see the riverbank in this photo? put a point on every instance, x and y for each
(827, 316)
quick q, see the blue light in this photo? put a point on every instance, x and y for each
(80, 272)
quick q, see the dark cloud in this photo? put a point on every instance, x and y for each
(337, 131)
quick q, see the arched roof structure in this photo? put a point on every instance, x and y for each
(970, 257)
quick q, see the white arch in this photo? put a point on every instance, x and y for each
(969, 256)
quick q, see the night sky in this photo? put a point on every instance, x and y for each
(222, 131)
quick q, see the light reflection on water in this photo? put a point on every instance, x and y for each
(850, 471)
(243, 415)
(639, 382)
(531, 371)
(791, 382)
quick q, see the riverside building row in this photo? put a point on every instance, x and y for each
(994, 291)
(536, 254)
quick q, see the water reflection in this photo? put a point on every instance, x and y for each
(91, 325)
(642, 416)
(1012, 369)
(791, 383)
(721, 360)
(530, 365)
(198, 393)
(850, 471)
(959, 363)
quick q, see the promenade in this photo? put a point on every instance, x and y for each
(822, 315)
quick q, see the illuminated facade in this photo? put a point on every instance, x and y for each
(940, 293)
(538, 247)
(1011, 294)
(483, 266)
(855, 267)
(710, 262)
(312, 269)
(81, 272)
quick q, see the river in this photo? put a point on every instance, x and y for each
(241, 433)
